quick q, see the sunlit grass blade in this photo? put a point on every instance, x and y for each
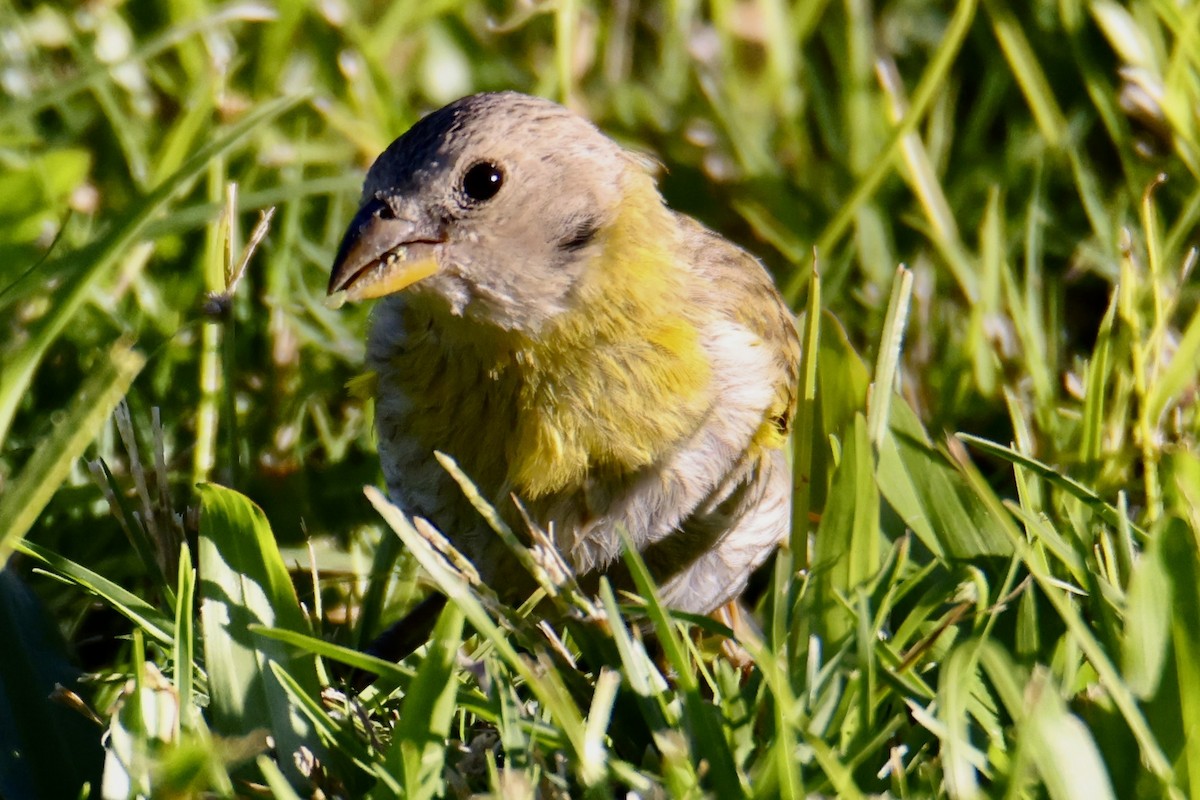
(803, 428)
(1181, 372)
(340, 745)
(276, 781)
(1179, 555)
(930, 194)
(149, 619)
(243, 581)
(1098, 376)
(30, 491)
(400, 676)
(889, 356)
(418, 751)
(184, 650)
(847, 550)
(839, 776)
(1105, 510)
(1148, 615)
(1027, 70)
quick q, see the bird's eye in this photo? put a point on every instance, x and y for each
(482, 181)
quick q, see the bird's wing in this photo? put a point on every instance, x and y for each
(747, 513)
(744, 295)
(718, 503)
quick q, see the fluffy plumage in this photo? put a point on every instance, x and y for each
(551, 325)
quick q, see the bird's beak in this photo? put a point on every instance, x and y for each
(382, 254)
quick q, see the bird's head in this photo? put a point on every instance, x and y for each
(492, 207)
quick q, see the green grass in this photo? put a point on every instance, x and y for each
(995, 593)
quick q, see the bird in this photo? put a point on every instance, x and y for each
(576, 346)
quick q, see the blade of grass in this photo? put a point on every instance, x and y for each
(931, 196)
(148, 618)
(243, 581)
(889, 356)
(41, 476)
(1105, 510)
(184, 650)
(803, 429)
(1026, 68)
(417, 755)
(1179, 554)
(847, 550)
(341, 745)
